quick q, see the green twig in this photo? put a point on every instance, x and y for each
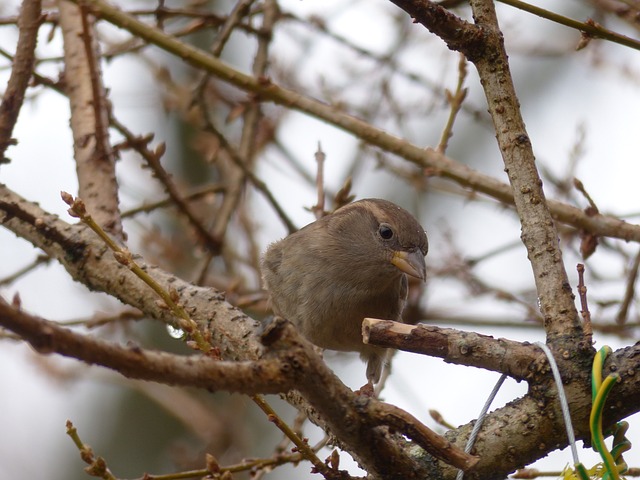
(97, 465)
(123, 256)
(589, 27)
(302, 445)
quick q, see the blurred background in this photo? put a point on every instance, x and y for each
(581, 109)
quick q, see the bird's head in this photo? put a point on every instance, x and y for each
(379, 237)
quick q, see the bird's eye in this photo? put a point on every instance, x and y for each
(385, 231)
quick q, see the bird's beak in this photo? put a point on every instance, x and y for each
(411, 263)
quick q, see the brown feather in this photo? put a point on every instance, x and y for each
(330, 275)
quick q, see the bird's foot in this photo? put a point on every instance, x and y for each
(366, 390)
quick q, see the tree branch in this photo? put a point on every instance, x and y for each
(94, 156)
(539, 233)
(437, 164)
(590, 28)
(29, 23)
(248, 377)
(458, 34)
(520, 361)
(353, 419)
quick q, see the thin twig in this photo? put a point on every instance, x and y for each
(318, 208)
(580, 187)
(248, 146)
(195, 194)
(255, 181)
(139, 144)
(301, 444)
(40, 260)
(531, 473)
(97, 465)
(124, 257)
(589, 27)
(239, 11)
(100, 321)
(584, 306)
(456, 101)
(256, 465)
(391, 61)
(630, 291)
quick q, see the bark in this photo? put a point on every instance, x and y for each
(90, 111)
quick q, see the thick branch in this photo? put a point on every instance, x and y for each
(539, 233)
(458, 34)
(538, 229)
(88, 261)
(520, 361)
(94, 156)
(249, 377)
(535, 421)
(356, 417)
(406, 424)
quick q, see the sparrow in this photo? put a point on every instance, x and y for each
(351, 264)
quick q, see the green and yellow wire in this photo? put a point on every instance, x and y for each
(613, 465)
(613, 462)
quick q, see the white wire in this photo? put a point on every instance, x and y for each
(478, 424)
(563, 401)
(564, 406)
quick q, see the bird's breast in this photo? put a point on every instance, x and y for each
(331, 317)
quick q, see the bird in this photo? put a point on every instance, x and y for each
(348, 265)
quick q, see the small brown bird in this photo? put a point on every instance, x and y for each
(330, 275)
